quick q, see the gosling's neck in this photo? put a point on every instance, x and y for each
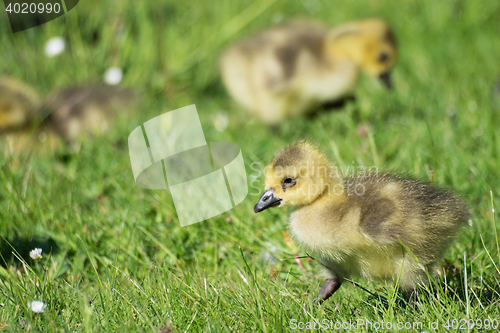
(321, 228)
(345, 49)
(333, 194)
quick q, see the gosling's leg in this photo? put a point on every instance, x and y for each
(411, 298)
(328, 289)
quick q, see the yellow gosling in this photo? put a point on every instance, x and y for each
(374, 226)
(293, 69)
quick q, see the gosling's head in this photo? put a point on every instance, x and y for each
(297, 176)
(19, 104)
(369, 43)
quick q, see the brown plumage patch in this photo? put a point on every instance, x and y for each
(413, 201)
(375, 212)
(288, 157)
(288, 55)
(290, 39)
(310, 40)
(376, 209)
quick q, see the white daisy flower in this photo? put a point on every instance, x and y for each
(113, 76)
(37, 306)
(220, 120)
(36, 253)
(54, 46)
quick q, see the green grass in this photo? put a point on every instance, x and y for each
(120, 261)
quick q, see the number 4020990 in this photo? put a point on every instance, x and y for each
(464, 324)
(32, 8)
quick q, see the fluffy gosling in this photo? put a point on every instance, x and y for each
(83, 111)
(67, 115)
(295, 68)
(363, 226)
(19, 104)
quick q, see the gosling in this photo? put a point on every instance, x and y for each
(20, 107)
(375, 226)
(66, 115)
(82, 111)
(19, 104)
(295, 68)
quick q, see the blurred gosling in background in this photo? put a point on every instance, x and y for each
(20, 107)
(19, 104)
(297, 67)
(29, 124)
(84, 111)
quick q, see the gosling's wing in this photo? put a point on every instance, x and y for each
(272, 54)
(381, 210)
(295, 39)
(397, 209)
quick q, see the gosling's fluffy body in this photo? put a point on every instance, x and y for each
(364, 237)
(80, 111)
(292, 69)
(19, 104)
(365, 226)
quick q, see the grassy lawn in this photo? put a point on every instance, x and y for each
(115, 257)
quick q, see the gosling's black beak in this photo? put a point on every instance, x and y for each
(386, 80)
(267, 200)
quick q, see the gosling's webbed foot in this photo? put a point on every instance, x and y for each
(327, 289)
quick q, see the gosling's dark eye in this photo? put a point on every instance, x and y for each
(383, 57)
(288, 182)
